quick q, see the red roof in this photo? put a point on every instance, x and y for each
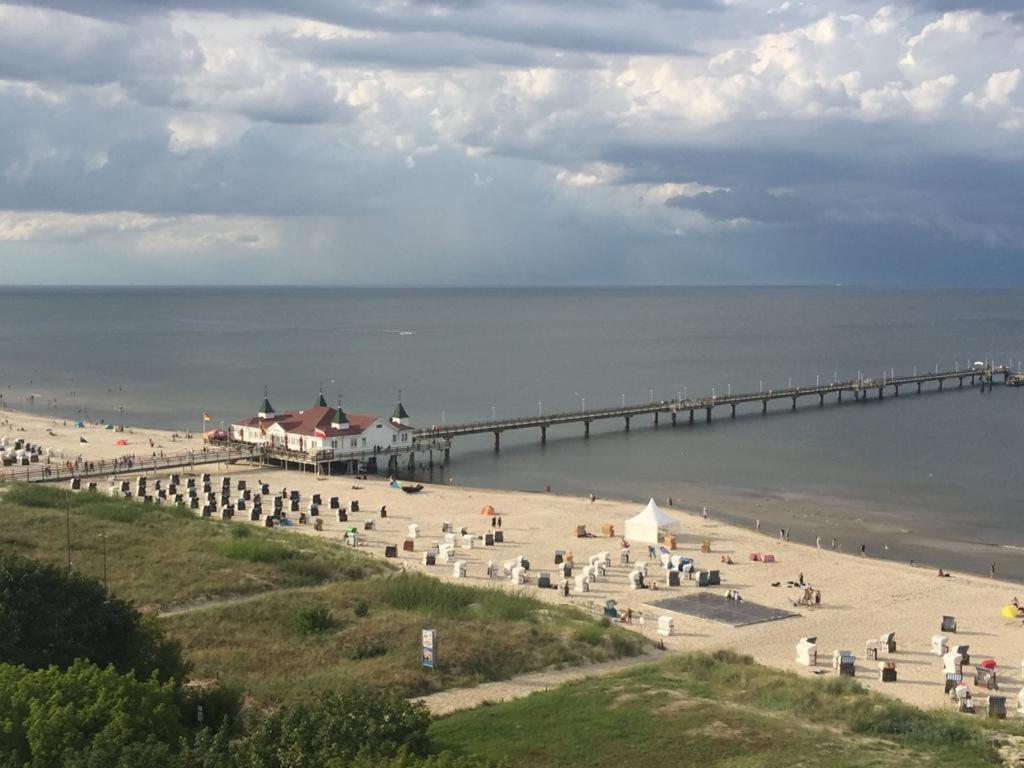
(305, 422)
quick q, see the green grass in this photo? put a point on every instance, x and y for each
(161, 556)
(483, 635)
(715, 710)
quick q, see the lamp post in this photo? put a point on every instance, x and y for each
(652, 395)
(540, 408)
(494, 413)
(103, 537)
(623, 399)
(442, 417)
(583, 402)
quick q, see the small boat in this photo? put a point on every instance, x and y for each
(412, 488)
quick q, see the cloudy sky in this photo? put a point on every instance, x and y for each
(517, 142)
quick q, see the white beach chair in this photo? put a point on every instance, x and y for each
(467, 541)
(518, 575)
(953, 662)
(582, 585)
(590, 573)
(492, 569)
(459, 569)
(940, 645)
(665, 625)
(508, 566)
(635, 578)
(414, 531)
(605, 559)
(807, 652)
(641, 565)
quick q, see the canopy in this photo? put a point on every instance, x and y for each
(488, 510)
(645, 526)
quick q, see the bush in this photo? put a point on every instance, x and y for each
(221, 703)
(361, 608)
(313, 619)
(338, 726)
(50, 618)
(93, 716)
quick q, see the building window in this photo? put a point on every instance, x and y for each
(355, 442)
(364, 442)
(394, 438)
(405, 438)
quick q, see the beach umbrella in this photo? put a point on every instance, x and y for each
(1009, 612)
(122, 441)
(488, 510)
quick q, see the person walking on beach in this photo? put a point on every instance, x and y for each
(782, 534)
(863, 550)
(757, 524)
(818, 542)
(833, 543)
(992, 571)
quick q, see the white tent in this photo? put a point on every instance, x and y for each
(645, 526)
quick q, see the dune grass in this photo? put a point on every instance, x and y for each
(374, 634)
(161, 556)
(716, 709)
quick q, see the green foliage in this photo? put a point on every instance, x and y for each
(418, 592)
(82, 716)
(221, 703)
(258, 550)
(313, 619)
(336, 727)
(50, 618)
(361, 608)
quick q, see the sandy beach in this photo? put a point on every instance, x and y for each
(862, 598)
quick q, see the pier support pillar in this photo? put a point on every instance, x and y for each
(673, 418)
(764, 407)
(447, 455)
(961, 382)
(430, 460)
(627, 423)
(821, 399)
(543, 435)
(691, 416)
(880, 394)
(733, 410)
(497, 441)
(586, 429)
(941, 380)
(919, 387)
(655, 418)
(708, 415)
(840, 398)
(794, 404)
(412, 461)
(897, 388)
(972, 380)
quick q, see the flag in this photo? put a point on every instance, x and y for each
(206, 416)
(317, 432)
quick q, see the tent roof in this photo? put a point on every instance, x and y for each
(652, 513)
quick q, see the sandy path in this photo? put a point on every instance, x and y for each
(456, 699)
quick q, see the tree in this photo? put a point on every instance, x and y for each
(48, 617)
(85, 716)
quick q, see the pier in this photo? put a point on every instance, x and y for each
(690, 409)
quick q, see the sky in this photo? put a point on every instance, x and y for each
(523, 142)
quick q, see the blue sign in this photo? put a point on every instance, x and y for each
(429, 638)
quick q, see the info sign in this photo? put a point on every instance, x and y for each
(429, 647)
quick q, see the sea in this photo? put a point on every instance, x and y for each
(935, 478)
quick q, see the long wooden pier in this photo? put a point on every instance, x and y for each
(860, 389)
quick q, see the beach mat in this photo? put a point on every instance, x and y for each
(712, 607)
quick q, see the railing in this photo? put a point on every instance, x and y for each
(446, 431)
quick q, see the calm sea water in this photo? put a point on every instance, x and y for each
(947, 466)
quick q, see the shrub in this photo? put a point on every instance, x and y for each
(313, 619)
(221, 703)
(95, 716)
(48, 617)
(337, 726)
(361, 608)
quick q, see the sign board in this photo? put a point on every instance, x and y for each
(429, 639)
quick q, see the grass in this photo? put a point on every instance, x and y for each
(483, 635)
(715, 710)
(323, 616)
(161, 556)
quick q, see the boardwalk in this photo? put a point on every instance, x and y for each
(859, 389)
(35, 473)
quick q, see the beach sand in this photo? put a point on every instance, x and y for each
(862, 598)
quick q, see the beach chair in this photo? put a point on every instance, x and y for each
(807, 652)
(563, 587)
(953, 679)
(985, 677)
(672, 579)
(948, 624)
(996, 707)
(518, 575)
(499, 537)
(581, 531)
(1020, 702)
(508, 566)
(705, 546)
(837, 656)
(391, 550)
(414, 531)
(318, 524)
(887, 671)
(714, 578)
(567, 569)
(467, 541)
(608, 530)
(952, 662)
(459, 569)
(963, 651)
(590, 573)
(888, 640)
(488, 539)
(544, 580)
(871, 650)
(847, 665)
(582, 585)
(368, 524)
(665, 626)
(636, 579)
(409, 545)
(492, 569)
(559, 556)
(429, 558)
(624, 556)
(940, 645)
